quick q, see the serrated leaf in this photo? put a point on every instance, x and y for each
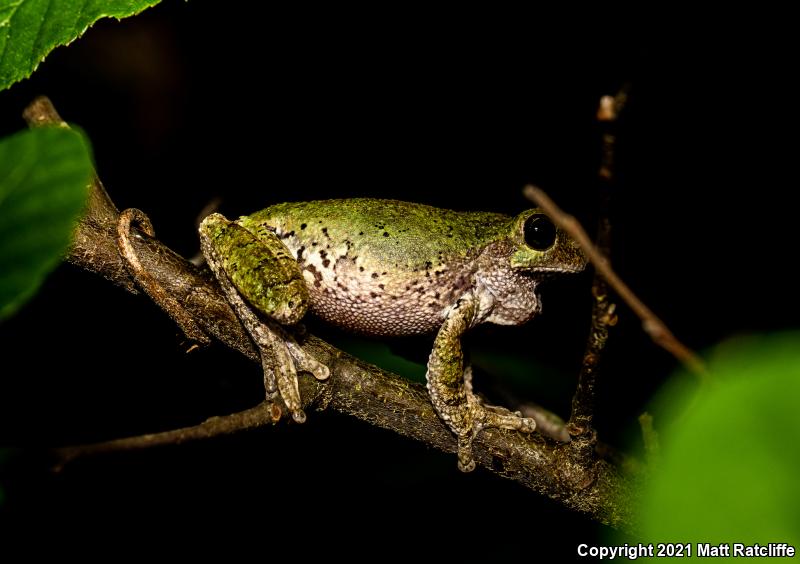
(30, 29)
(44, 174)
(730, 459)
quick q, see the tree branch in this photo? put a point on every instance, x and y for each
(597, 489)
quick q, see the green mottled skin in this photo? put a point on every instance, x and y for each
(386, 231)
(385, 267)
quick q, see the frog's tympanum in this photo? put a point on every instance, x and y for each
(384, 267)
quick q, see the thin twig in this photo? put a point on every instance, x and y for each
(581, 420)
(547, 422)
(599, 489)
(251, 418)
(651, 324)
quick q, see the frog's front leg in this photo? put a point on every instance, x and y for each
(452, 396)
(262, 272)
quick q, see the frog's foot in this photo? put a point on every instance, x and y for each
(307, 363)
(282, 358)
(495, 408)
(479, 417)
(500, 410)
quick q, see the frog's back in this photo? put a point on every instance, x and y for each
(381, 266)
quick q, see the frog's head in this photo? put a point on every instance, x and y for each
(541, 247)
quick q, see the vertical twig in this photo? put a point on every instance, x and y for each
(580, 425)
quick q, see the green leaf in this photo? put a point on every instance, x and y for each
(44, 175)
(30, 29)
(730, 461)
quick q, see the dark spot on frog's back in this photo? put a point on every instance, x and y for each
(317, 274)
(300, 253)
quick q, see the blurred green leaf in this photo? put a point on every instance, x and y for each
(44, 174)
(30, 29)
(731, 458)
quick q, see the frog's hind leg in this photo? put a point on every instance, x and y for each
(262, 272)
(450, 386)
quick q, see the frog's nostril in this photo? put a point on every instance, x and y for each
(290, 304)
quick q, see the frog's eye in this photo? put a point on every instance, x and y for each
(540, 233)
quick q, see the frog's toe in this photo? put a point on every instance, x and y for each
(466, 463)
(501, 418)
(281, 365)
(280, 379)
(316, 368)
(527, 424)
(304, 362)
(499, 410)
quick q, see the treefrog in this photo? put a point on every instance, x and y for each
(387, 268)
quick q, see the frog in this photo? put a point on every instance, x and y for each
(387, 268)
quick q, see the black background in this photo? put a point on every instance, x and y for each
(184, 104)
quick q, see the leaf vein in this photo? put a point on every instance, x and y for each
(38, 36)
(8, 32)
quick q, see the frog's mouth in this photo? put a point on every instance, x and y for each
(550, 271)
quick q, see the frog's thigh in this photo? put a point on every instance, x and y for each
(261, 269)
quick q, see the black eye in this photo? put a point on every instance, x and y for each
(540, 233)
